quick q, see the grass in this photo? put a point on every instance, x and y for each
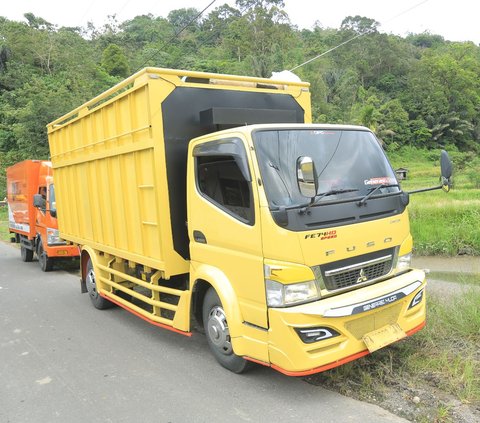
(450, 346)
(449, 229)
(4, 233)
(442, 223)
(458, 277)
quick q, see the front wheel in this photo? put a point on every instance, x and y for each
(218, 334)
(97, 300)
(27, 255)
(46, 263)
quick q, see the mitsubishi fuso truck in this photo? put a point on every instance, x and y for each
(32, 214)
(210, 200)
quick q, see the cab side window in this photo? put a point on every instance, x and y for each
(43, 192)
(220, 180)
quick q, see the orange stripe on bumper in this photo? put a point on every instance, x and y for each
(329, 365)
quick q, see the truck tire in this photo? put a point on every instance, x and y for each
(218, 334)
(46, 263)
(27, 255)
(97, 300)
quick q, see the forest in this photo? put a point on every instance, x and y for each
(419, 91)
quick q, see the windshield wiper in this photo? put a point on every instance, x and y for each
(363, 201)
(279, 174)
(318, 197)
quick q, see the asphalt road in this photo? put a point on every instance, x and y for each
(61, 360)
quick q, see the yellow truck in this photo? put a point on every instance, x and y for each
(208, 199)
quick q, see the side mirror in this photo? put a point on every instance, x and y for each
(39, 201)
(446, 170)
(307, 177)
(446, 177)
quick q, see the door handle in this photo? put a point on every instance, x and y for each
(198, 236)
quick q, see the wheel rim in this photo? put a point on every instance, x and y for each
(218, 330)
(91, 285)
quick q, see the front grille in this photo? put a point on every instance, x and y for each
(364, 270)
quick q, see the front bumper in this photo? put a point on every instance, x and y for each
(60, 251)
(353, 315)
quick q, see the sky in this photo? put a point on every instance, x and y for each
(454, 20)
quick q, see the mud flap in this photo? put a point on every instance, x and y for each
(83, 286)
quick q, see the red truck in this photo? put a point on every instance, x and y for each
(32, 214)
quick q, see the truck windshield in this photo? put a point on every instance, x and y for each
(348, 163)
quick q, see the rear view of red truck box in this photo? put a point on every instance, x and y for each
(32, 213)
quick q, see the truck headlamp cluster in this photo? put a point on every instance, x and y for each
(53, 237)
(404, 263)
(280, 295)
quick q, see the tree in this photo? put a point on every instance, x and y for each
(37, 22)
(263, 35)
(4, 56)
(421, 135)
(393, 123)
(426, 40)
(180, 18)
(452, 129)
(420, 90)
(115, 62)
(443, 90)
(359, 24)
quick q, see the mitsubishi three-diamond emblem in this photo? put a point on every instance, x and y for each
(362, 277)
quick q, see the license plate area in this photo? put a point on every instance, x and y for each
(384, 336)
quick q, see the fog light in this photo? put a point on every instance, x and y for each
(416, 300)
(312, 335)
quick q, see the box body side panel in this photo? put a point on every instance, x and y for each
(108, 181)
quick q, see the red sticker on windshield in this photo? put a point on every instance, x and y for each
(385, 180)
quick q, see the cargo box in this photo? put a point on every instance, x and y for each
(120, 159)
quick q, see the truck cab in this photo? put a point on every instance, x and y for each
(310, 276)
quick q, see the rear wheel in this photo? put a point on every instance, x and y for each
(46, 263)
(218, 334)
(27, 255)
(97, 300)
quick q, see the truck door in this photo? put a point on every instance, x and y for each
(225, 224)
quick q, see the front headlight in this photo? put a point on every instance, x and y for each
(404, 263)
(280, 295)
(53, 237)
